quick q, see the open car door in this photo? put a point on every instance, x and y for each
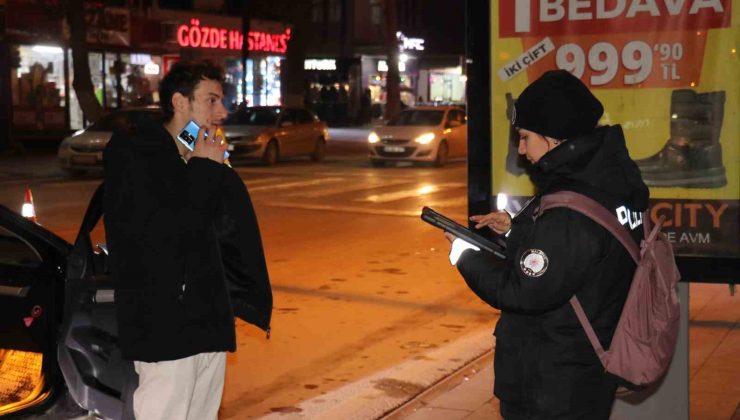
(31, 294)
(89, 358)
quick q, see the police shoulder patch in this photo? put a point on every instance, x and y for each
(533, 262)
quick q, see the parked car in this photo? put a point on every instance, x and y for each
(83, 150)
(420, 134)
(59, 357)
(269, 133)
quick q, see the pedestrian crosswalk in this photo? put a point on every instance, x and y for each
(393, 196)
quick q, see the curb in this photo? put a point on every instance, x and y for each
(445, 385)
(381, 393)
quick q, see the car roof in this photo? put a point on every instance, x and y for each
(136, 109)
(275, 107)
(432, 108)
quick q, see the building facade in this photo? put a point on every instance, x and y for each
(130, 50)
(348, 53)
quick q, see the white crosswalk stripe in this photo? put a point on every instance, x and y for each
(409, 193)
(345, 189)
(262, 181)
(450, 202)
(296, 184)
(355, 193)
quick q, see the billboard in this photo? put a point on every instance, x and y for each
(668, 71)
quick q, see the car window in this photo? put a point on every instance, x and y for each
(288, 115)
(254, 116)
(15, 251)
(417, 117)
(457, 115)
(304, 117)
(110, 122)
(121, 120)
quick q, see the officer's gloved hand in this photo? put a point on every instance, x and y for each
(458, 247)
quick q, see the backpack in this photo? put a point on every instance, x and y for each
(645, 337)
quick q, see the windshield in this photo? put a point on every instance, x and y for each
(254, 116)
(119, 120)
(418, 118)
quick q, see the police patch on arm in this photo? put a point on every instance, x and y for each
(533, 263)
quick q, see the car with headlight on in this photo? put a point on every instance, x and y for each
(270, 133)
(83, 151)
(431, 134)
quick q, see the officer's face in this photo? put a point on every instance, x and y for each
(207, 106)
(533, 146)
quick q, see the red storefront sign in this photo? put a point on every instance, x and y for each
(196, 36)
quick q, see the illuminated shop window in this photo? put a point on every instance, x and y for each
(37, 87)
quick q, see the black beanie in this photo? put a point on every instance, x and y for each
(557, 105)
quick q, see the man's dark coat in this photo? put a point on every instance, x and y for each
(185, 248)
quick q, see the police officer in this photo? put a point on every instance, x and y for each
(545, 367)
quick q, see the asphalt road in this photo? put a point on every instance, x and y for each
(360, 283)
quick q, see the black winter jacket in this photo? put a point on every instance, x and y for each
(176, 232)
(545, 366)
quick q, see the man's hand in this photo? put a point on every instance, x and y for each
(498, 221)
(210, 148)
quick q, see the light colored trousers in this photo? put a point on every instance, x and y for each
(182, 389)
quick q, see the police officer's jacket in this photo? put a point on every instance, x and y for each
(544, 363)
(185, 248)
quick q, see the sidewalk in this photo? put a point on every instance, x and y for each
(714, 369)
(465, 395)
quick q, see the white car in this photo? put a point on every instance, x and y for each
(422, 134)
(83, 150)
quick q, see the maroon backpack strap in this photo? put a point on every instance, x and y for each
(596, 212)
(592, 337)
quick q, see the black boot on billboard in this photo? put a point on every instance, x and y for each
(692, 157)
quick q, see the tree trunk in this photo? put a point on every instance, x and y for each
(81, 65)
(294, 78)
(392, 81)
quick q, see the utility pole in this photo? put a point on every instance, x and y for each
(392, 81)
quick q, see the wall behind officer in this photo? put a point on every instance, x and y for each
(178, 224)
(545, 366)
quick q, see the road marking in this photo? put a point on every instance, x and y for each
(351, 209)
(416, 192)
(451, 202)
(260, 181)
(345, 189)
(288, 185)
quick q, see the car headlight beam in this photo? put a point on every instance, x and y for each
(425, 138)
(373, 138)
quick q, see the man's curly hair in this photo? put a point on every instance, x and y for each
(184, 77)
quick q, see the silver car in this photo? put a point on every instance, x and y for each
(83, 150)
(269, 133)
